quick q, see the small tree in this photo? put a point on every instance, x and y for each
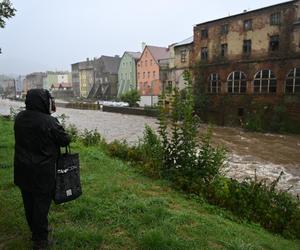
(132, 97)
(6, 11)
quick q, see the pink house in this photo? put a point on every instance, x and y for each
(148, 70)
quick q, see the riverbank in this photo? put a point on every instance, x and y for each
(267, 154)
(121, 209)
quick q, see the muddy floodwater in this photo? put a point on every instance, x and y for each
(268, 154)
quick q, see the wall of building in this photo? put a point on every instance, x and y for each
(260, 34)
(86, 79)
(148, 72)
(225, 107)
(126, 74)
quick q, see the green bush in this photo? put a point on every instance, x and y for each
(119, 149)
(91, 138)
(257, 201)
(131, 97)
(73, 132)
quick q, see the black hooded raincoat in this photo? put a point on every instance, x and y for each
(38, 137)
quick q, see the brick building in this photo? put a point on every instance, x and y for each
(152, 69)
(249, 58)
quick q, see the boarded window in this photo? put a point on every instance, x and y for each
(248, 24)
(224, 29)
(183, 56)
(247, 46)
(204, 53)
(275, 18)
(265, 82)
(292, 82)
(274, 43)
(236, 82)
(224, 49)
(214, 85)
(204, 34)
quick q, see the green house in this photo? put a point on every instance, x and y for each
(127, 72)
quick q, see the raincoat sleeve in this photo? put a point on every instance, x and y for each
(59, 134)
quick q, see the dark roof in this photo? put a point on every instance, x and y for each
(247, 12)
(111, 63)
(135, 55)
(159, 52)
(185, 42)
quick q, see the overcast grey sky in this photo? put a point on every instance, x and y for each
(52, 34)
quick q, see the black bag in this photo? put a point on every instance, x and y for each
(67, 185)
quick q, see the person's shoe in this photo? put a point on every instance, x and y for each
(40, 245)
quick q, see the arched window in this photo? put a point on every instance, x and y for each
(236, 82)
(214, 85)
(292, 81)
(265, 82)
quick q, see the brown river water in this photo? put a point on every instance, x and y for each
(268, 154)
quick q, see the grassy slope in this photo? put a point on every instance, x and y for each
(121, 209)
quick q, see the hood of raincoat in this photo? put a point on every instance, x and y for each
(38, 100)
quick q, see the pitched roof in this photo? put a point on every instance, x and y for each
(185, 41)
(135, 55)
(111, 63)
(159, 52)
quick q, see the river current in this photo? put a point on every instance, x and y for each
(264, 153)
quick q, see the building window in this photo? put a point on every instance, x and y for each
(146, 63)
(274, 43)
(236, 82)
(141, 63)
(224, 29)
(154, 74)
(248, 24)
(204, 34)
(214, 84)
(148, 74)
(275, 18)
(224, 49)
(292, 82)
(204, 53)
(150, 62)
(247, 46)
(265, 82)
(144, 74)
(183, 56)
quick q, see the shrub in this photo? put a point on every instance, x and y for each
(131, 97)
(258, 201)
(119, 149)
(73, 132)
(184, 158)
(91, 138)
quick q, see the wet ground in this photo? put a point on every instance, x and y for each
(268, 154)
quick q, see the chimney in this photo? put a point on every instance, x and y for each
(143, 46)
(87, 59)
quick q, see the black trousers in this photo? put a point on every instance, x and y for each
(36, 211)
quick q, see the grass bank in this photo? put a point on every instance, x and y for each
(122, 209)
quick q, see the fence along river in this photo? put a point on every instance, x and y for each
(268, 154)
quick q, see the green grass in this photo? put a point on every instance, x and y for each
(122, 209)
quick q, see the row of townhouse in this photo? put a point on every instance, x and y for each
(150, 72)
(248, 57)
(58, 82)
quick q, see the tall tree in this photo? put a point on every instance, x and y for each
(6, 11)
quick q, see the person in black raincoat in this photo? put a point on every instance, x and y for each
(38, 138)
